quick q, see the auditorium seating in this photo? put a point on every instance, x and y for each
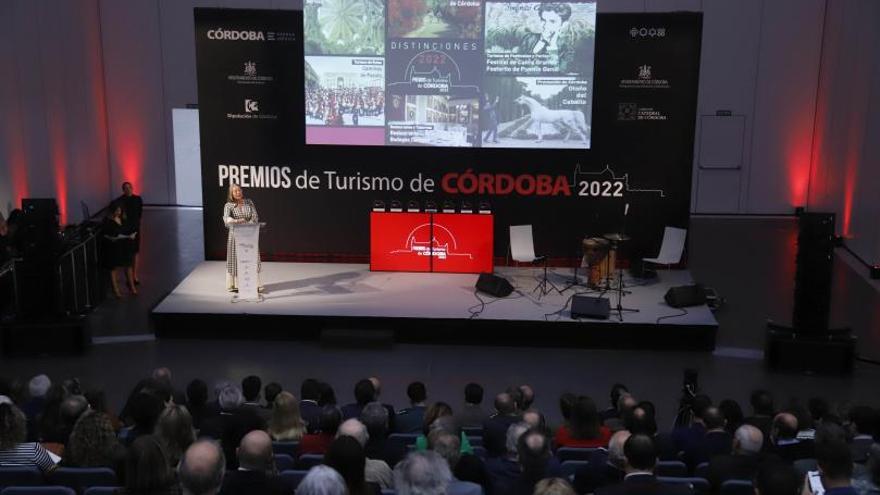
(289, 448)
(700, 486)
(20, 476)
(37, 490)
(284, 462)
(81, 478)
(575, 453)
(737, 487)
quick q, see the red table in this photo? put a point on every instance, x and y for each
(431, 242)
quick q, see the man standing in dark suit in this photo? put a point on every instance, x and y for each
(309, 409)
(409, 420)
(256, 471)
(743, 463)
(641, 458)
(495, 428)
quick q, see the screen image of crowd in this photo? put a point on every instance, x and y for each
(251, 438)
(346, 106)
(434, 120)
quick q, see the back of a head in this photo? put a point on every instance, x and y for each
(322, 480)
(197, 393)
(230, 398)
(777, 478)
(835, 460)
(447, 445)
(566, 404)
(700, 403)
(713, 418)
(162, 373)
(517, 396)
(533, 452)
(534, 418)
(250, 388)
(375, 417)
(417, 392)
(473, 393)
(255, 452)
(364, 392)
(446, 423)
(175, 428)
(733, 413)
(762, 402)
(309, 390)
(39, 385)
(13, 426)
(584, 418)
(346, 456)
(72, 407)
(528, 396)
(505, 404)
(640, 452)
(271, 391)
(285, 414)
(422, 473)
(326, 394)
(328, 422)
(617, 390)
(355, 429)
(639, 420)
(748, 439)
(434, 412)
(202, 468)
(785, 425)
(146, 466)
(553, 486)
(145, 410)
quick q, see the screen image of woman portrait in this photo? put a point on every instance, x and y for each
(237, 210)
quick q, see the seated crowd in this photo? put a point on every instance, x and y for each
(165, 440)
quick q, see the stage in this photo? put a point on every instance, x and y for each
(303, 299)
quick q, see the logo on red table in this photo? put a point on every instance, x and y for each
(441, 244)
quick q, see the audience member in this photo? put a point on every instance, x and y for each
(377, 386)
(147, 471)
(744, 460)
(448, 446)
(835, 467)
(163, 375)
(250, 391)
(14, 449)
(410, 420)
(535, 419)
(93, 443)
(144, 410)
(566, 403)
(326, 394)
(197, 401)
(585, 428)
(641, 458)
(256, 468)
(202, 469)
(422, 473)
(375, 417)
(364, 393)
(175, 432)
(98, 402)
(603, 468)
(715, 441)
(868, 482)
(783, 439)
(375, 470)
(687, 435)
(535, 460)
(505, 471)
(309, 409)
(617, 390)
(495, 428)
(346, 455)
(472, 413)
(762, 411)
(733, 415)
(38, 387)
(49, 424)
(322, 480)
(325, 433)
(232, 424)
(528, 396)
(777, 478)
(625, 405)
(72, 407)
(270, 391)
(285, 423)
(517, 396)
(553, 486)
(863, 422)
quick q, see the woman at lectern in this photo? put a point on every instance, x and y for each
(237, 210)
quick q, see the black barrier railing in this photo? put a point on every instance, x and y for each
(78, 276)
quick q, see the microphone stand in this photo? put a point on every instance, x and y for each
(620, 309)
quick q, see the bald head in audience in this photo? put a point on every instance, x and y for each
(747, 440)
(616, 457)
(255, 452)
(505, 404)
(785, 426)
(201, 468)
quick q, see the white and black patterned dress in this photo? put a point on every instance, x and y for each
(234, 211)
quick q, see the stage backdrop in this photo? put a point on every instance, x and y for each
(317, 198)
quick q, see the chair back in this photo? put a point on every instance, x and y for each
(671, 469)
(700, 486)
(308, 461)
(737, 487)
(102, 490)
(20, 476)
(571, 467)
(284, 462)
(576, 453)
(289, 448)
(81, 478)
(522, 244)
(673, 246)
(37, 490)
(293, 477)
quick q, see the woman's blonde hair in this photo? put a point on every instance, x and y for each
(286, 422)
(553, 486)
(229, 198)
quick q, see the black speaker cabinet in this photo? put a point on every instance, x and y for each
(597, 308)
(831, 353)
(686, 295)
(812, 282)
(493, 285)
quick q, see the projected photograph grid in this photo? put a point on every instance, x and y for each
(452, 73)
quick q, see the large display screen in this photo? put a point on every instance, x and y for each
(459, 73)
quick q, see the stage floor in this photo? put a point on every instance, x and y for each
(350, 294)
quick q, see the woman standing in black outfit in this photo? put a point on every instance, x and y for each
(118, 253)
